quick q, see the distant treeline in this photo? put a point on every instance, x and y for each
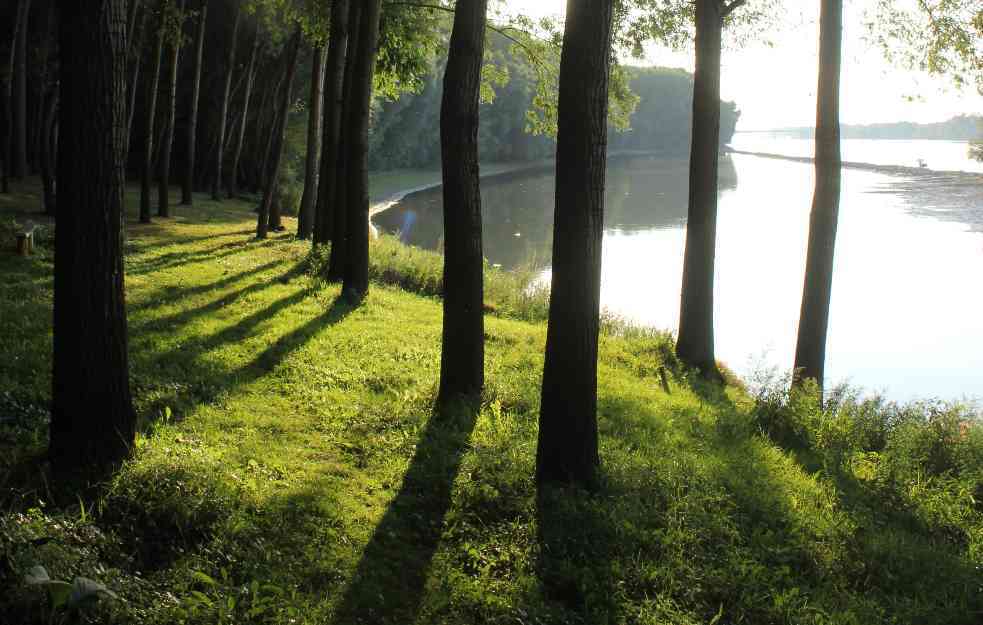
(959, 128)
(405, 133)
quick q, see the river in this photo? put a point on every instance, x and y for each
(907, 310)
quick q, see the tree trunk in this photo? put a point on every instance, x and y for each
(48, 151)
(92, 416)
(334, 103)
(19, 163)
(8, 105)
(340, 234)
(280, 127)
(305, 221)
(810, 350)
(223, 116)
(567, 449)
(187, 185)
(136, 58)
(260, 179)
(356, 283)
(462, 356)
(164, 179)
(695, 344)
(250, 77)
(148, 148)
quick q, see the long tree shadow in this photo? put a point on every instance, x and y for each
(168, 260)
(388, 585)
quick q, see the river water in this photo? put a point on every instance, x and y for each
(907, 309)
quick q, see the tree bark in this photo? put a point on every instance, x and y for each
(280, 127)
(695, 345)
(92, 416)
(260, 179)
(136, 58)
(810, 349)
(567, 447)
(230, 62)
(339, 229)
(462, 356)
(47, 153)
(148, 147)
(187, 185)
(164, 179)
(8, 104)
(333, 105)
(356, 283)
(250, 77)
(305, 221)
(19, 163)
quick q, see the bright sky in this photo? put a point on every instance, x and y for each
(776, 87)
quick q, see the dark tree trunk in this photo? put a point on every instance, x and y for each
(262, 167)
(18, 167)
(462, 356)
(153, 85)
(567, 449)
(305, 221)
(43, 77)
(230, 62)
(810, 350)
(92, 416)
(164, 176)
(695, 343)
(136, 57)
(8, 105)
(339, 229)
(250, 78)
(187, 185)
(333, 105)
(356, 282)
(276, 224)
(47, 153)
(280, 127)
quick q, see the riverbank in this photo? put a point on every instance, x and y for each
(289, 468)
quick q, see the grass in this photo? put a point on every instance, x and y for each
(290, 467)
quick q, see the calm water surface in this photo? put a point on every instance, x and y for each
(907, 309)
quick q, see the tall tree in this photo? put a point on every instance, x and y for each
(8, 103)
(48, 150)
(567, 446)
(279, 128)
(333, 105)
(695, 345)
(230, 62)
(237, 153)
(153, 85)
(462, 356)
(187, 184)
(810, 350)
(136, 55)
(175, 36)
(339, 216)
(18, 167)
(92, 416)
(305, 221)
(356, 281)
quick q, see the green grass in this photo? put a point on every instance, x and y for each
(290, 468)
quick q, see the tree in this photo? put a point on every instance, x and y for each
(234, 172)
(810, 349)
(48, 150)
(279, 128)
(153, 86)
(695, 343)
(18, 168)
(92, 416)
(305, 222)
(567, 447)
(356, 282)
(187, 185)
(175, 23)
(226, 94)
(136, 50)
(462, 355)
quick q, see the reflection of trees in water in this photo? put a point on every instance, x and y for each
(642, 193)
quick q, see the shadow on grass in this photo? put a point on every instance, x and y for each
(389, 582)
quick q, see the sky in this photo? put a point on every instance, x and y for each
(776, 87)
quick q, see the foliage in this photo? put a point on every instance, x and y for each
(940, 37)
(291, 469)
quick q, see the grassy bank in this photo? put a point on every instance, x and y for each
(289, 467)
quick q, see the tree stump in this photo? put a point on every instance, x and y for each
(25, 241)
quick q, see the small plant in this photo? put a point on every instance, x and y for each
(67, 599)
